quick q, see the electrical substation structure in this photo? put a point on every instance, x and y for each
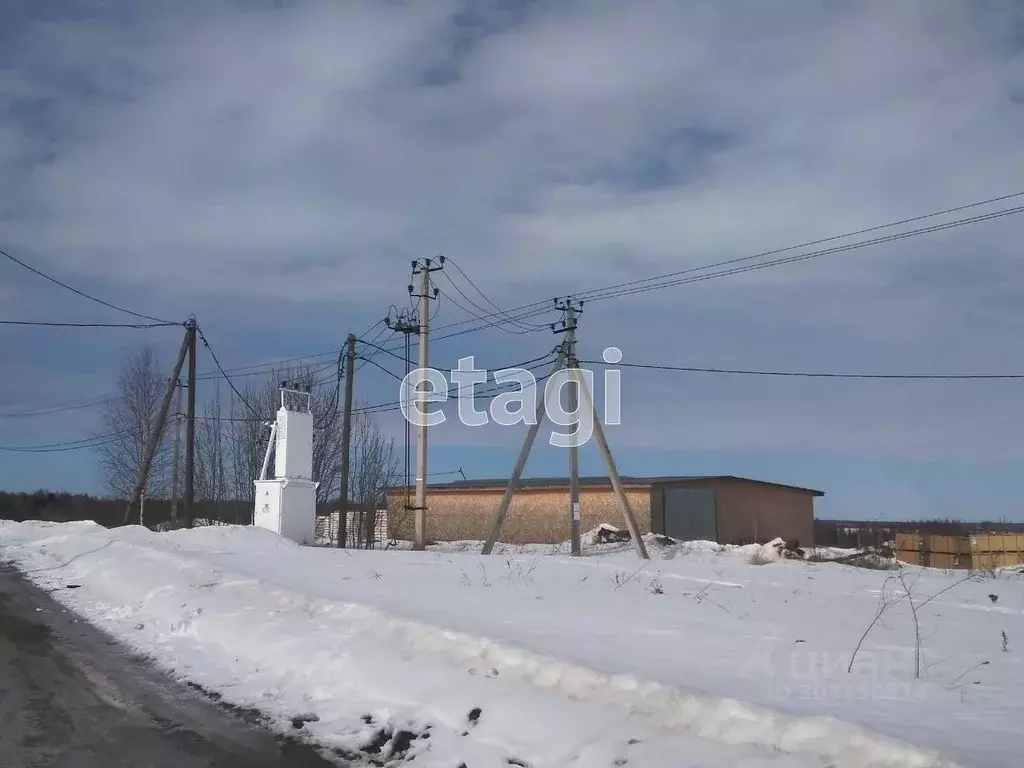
(286, 503)
(565, 358)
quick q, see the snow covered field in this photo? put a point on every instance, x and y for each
(697, 658)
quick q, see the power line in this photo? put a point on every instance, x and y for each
(500, 327)
(591, 293)
(231, 384)
(379, 349)
(811, 255)
(83, 294)
(376, 338)
(70, 445)
(87, 325)
(259, 369)
(62, 408)
(375, 364)
(61, 449)
(112, 397)
(547, 308)
(537, 308)
(521, 328)
(486, 298)
(810, 375)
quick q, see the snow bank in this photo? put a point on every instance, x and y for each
(431, 656)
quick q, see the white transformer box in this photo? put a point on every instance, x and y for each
(286, 504)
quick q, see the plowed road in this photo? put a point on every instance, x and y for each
(70, 698)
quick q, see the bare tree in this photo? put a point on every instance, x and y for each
(128, 420)
(247, 438)
(374, 467)
(210, 459)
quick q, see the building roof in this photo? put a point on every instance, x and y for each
(598, 481)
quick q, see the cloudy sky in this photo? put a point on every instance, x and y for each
(274, 166)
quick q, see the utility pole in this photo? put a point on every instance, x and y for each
(190, 425)
(613, 472)
(407, 323)
(176, 465)
(566, 355)
(346, 437)
(158, 428)
(494, 527)
(423, 268)
(569, 310)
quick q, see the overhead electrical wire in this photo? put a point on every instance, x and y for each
(808, 374)
(392, 374)
(485, 297)
(671, 279)
(259, 369)
(49, 324)
(548, 308)
(802, 256)
(379, 348)
(521, 328)
(821, 241)
(519, 331)
(63, 449)
(61, 408)
(377, 337)
(69, 445)
(83, 294)
(231, 384)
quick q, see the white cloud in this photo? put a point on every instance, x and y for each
(311, 150)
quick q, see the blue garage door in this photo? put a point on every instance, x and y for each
(690, 514)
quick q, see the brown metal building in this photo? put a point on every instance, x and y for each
(722, 508)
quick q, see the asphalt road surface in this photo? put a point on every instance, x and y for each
(71, 698)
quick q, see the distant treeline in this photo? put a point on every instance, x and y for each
(64, 507)
(857, 534)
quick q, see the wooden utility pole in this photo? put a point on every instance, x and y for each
(346, 437)
(423, 268)
(158, 428)
(190, 425)
(176, 461)
(567, 354)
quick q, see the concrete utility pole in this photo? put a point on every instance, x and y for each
(346, 437)
(494, 526)
(407, 323)
(613, 472)
(176, 465)
(572, 363)
(423, 268)
(190, 424)
(567, 355)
